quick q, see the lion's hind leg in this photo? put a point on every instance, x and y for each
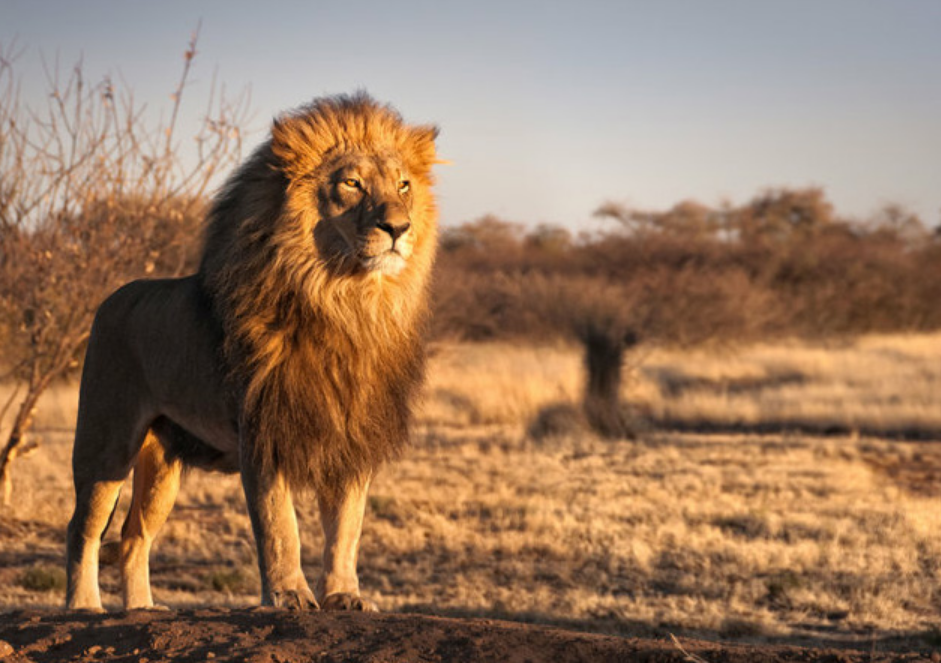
(101, 460)
(100, 465)
(156, 483)
(94, 506)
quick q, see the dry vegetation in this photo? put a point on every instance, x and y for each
(877, 385)
(745, 534)
(92, 195)
(784, 264)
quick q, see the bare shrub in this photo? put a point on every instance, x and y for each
(604, 318)
(91, 196)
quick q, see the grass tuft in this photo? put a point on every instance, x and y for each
(43, 579)
(230, 581)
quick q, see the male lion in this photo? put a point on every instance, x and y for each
(290, 357)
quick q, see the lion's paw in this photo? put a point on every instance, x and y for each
(295, 599)
(156, 607)
(351, 602)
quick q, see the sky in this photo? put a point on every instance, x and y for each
(548, 109)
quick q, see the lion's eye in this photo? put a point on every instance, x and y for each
(352, 183)
(404, 186)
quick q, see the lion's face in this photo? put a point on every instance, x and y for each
(354, 192)
(364, 204)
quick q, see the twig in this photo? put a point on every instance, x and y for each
(13, 395)
(692, 658)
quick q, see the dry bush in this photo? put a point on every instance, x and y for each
(783, 264)
(91, 196)
(603, 317)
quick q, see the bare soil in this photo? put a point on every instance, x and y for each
(277, 636)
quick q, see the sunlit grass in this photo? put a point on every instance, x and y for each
(879, 384)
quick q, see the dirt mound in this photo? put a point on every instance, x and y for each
(275, 636)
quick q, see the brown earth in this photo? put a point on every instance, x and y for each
(274, 636)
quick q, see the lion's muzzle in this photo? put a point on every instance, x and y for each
(395, 230)
(389, 244)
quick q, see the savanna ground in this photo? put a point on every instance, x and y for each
(775, 494)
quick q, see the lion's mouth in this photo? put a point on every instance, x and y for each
(387, 263)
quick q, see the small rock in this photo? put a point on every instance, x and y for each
(5, 649)
(91, 651)
(210, 655)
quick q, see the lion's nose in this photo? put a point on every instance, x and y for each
(396, 230)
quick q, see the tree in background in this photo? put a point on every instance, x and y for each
(895, 222)
(91, 196)
(605, 321)
(603, 316)
(487, 235)
(779, 215)
(689, 219)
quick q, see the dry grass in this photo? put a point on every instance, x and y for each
(776, 535)
(877, 384)
(874, 384)
(497, 383)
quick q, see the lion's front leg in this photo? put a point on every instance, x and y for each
(274, 523)
(342, 516)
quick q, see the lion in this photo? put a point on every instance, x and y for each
(292, 356)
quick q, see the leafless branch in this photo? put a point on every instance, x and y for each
(91, 196)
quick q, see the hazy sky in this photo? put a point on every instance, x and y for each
(547, 109)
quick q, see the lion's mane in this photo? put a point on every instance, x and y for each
(324, 359)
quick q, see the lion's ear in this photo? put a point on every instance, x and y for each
(283, 136)
(421, 148)
(292, 143)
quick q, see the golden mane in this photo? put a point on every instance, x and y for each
(324, 357)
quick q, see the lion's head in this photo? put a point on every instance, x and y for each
(343, 186)
(316, 260)
(368, 177)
